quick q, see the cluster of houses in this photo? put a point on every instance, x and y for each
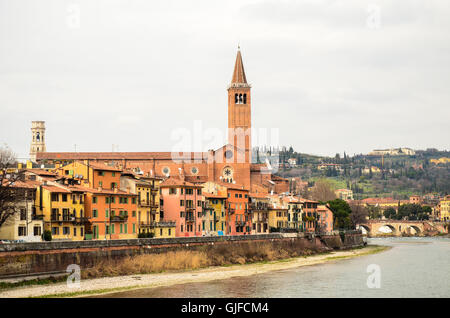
(97, 201)
(440, 206)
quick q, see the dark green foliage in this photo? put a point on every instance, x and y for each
(47, 236)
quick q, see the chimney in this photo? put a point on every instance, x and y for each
(100, 188)
(115, 189)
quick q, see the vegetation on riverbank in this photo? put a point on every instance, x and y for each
(204, 256)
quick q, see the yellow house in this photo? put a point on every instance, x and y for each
(214, 222)
(62, 210)
(278, 217)
(148, 214)
(259, 205)
(23, 225)
(444, 208)
(278, 212)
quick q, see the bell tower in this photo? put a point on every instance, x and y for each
(239, 110)
(38, 139)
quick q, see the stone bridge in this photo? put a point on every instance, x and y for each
(401, 227)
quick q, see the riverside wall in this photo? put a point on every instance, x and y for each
(39, 258)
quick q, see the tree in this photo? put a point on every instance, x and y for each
(341, 213)
(358, 214)
(390, 213)
(9, 193)
(323, 191)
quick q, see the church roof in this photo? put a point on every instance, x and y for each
(239, 73)
(116, 155)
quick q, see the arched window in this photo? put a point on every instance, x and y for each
(236, 99)
(245, 98)
(38, 136)
(240, 98)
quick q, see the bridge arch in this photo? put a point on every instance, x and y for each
(390, 226)
(365, 228)
(415, 228)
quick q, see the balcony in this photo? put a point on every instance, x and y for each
(190, 209)
(258, 207)
(35, 217)
(189, 218)
(231, 211)
(240, 223)
(163, 224)
(119, 218)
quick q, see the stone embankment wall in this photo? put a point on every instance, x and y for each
(48, 257)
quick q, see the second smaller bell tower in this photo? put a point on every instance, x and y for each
(38, 139)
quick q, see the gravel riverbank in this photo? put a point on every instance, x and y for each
(121, 283)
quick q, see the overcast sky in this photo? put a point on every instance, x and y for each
(332, 76)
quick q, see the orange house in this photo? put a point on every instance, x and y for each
(309, 215)
(183, 203)
(238, 216)
(111, 213)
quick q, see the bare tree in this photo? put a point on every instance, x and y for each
(359, 213)
(9, 192)
(323, 191)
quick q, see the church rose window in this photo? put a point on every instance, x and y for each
(166, 170)
(194, 170)
(228, 154)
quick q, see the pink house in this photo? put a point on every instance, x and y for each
(325, 219)
(183, 202)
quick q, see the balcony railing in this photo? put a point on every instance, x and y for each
(119, 218)
(231, 210)
(189, 218)
(37, 217)
(163, 224)
(258, 207)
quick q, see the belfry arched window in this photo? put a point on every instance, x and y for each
(245, 98)
(240, 98)
(38, 137)
(236, 98)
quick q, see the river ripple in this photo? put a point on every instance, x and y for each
(414, 267)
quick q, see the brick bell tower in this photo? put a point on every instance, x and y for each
(239, 111)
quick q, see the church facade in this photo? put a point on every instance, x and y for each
(230, 164)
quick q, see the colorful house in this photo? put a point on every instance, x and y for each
(214, 214)
(259, 205)
(182, 202)
(24, 225)
(324, 219)
(111, 214)
(62, 210)
(148, 212)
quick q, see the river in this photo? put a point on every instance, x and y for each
(413, 267)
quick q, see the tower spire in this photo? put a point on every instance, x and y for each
(239, 73)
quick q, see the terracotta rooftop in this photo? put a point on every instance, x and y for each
(214, 196)
(53, 188)
(115, 155)
(258, 195)
(102, 166)
(177, 182)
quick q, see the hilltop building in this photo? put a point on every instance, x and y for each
(393, 152)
